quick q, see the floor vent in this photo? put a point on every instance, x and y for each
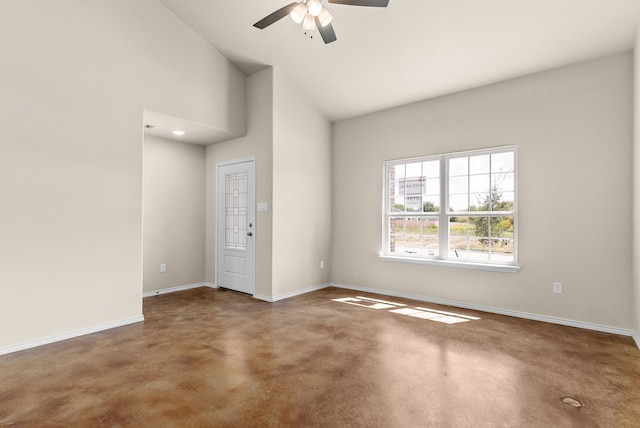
(572, 402)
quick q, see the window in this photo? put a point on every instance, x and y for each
(455, 208)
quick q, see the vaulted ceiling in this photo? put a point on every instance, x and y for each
(413, 49)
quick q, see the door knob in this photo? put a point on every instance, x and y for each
(249, 233)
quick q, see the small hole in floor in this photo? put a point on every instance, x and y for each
(572, 402)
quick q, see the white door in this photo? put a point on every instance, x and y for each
(236, 219)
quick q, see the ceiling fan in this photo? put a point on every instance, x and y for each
(314, 16)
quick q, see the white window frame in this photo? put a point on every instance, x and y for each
(443, 258)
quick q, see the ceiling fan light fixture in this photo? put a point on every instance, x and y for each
(325, 17)
(309, 23)
(313, 15)
(298, 13)
(314, 7)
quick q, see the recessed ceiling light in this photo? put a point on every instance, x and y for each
(178, 133)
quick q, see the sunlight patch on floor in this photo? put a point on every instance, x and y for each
(402, 309)
(368, 302)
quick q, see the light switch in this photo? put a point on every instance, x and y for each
(263, 206)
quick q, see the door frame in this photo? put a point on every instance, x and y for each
(251, 214)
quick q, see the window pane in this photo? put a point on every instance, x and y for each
(431, 169)
(414, 170)
(494, 201)
(432, 186)
(503, 182)
(479, 164)
(459, 203)
(466, 240)
(502, 162)
(502, 239)
(396, 204)
(458, 237)
(482, 238)
(479, 227)
(411, 242)
(502, 227)
(396, 181)
(429, 239)
(411, 188)
(507, 199)
(480, 201)
(430, 204)
(413, 203)
(458, 185)
(396, 234)
(458, 166)
(479, 183)
(414, 236)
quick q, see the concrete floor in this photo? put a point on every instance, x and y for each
(214, 358)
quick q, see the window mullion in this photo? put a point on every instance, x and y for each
(443, 218)
(386, 209)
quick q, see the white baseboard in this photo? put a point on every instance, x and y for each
(517, 314)
(291, 294)
(70, 335)
(178, 288)
(101, 327)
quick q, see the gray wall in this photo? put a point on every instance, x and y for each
(259, 143)
(292, 144)
(174, 213)
(573, 129)
(301, 191)
(77, 76)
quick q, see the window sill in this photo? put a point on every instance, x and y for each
(453, 264)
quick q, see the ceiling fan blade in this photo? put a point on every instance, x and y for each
(373, 3)
(275, 16)
(327, 32)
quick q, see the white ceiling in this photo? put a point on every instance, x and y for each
(413, 49)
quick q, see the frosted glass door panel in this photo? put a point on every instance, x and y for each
(236, 211)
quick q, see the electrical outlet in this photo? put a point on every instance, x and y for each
(321, 264)
(557, 287)
(163, 268)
